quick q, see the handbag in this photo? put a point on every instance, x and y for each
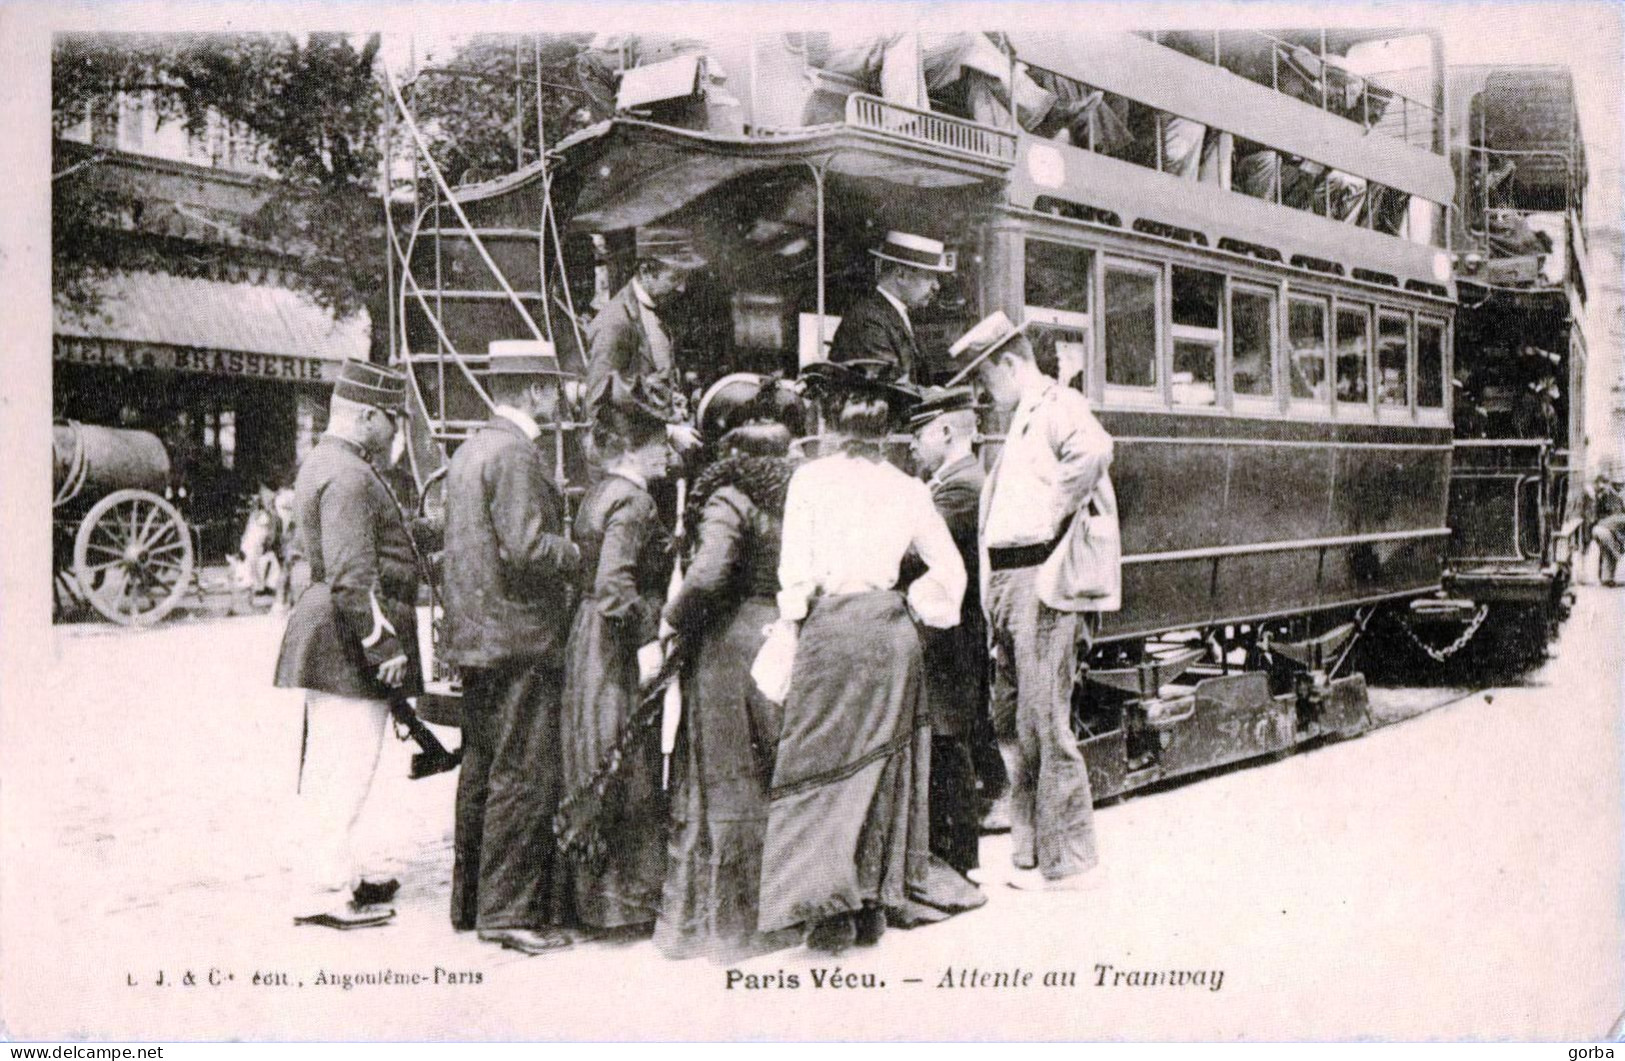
(775, 660)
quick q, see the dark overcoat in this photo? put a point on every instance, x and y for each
(956, 664)
(509, 568)
(872, 329)
(360, 608)
(618, 348)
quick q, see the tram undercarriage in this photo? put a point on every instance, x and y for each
(1155, 710)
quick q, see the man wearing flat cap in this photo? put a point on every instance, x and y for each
(877, 327)
(508, 572)
(956, 660)
(1047, 517)
(351, 641)
(629, 344)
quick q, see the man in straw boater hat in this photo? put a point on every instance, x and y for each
(1048, 534)
(877, 326)
(508, 572)
(963, 749)
(351, 641)
(628, 342)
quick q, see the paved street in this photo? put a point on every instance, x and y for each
(1455, 874)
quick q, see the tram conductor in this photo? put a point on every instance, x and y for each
(508, 572)
(351, 640)
(877, 327)
(629, 344)
(1048, 524)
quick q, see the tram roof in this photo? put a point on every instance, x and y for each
(627, 172)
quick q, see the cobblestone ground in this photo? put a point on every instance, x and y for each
(1456, 875)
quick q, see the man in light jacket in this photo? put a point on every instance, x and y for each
(1048, 531)
(508, 573)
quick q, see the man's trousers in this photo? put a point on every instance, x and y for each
(1052, 817)
(507, 872)
(343, 737)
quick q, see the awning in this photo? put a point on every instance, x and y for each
(191, 324)
(626, 173)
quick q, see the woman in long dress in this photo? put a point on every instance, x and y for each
(612, 822)
(723, 762)
(847, 846)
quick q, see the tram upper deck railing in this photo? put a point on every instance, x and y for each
(940, 130)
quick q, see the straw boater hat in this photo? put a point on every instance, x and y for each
(365, 383)
(916, 251)
(670, 246)
(991, 334)
(524, 357)
(940, 401)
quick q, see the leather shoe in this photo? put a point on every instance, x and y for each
(531, 941)
(349, 916)
(869, 925)
(832, 935)
(375, 892)
(1033, 881)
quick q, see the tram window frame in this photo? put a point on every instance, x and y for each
(1366, 311)
(1441, 409)
(1270, 401)
(1153, 393)
(1310, 405)
(1212, 338)
(1402, 409)
(1053, 320)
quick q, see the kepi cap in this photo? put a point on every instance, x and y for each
(524, 357)
(920, 252)
(939, 401)
(365, 383)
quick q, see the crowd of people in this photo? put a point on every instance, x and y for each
(819, 642)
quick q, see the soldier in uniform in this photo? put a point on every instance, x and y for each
(351, 641)
(877, 326)
(956, 660)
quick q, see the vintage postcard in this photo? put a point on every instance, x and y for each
(812, 521)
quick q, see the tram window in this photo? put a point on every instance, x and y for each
(1058, 276)
(1353, 354)
(1429, 365)
(1131, 327)
(1252, 343)
(1306, 333)
(1198, 336)
(1393, 359)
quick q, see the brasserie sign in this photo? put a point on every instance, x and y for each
(80, 350)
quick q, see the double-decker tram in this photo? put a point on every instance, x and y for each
(1516, 478)
(1235, 244)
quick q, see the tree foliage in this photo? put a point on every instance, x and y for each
(315, 104)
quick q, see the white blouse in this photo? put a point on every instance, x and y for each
(848, 523)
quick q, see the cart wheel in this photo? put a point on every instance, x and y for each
(133, 557)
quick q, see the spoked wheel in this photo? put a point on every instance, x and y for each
(133, 557)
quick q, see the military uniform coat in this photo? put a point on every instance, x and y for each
(872, 329)
(360, 608)
(956, 658)
(509, 569)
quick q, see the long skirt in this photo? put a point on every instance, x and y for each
(619, 884)
(848, 821)
(721, 770)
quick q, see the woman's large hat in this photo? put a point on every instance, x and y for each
(829, 379)
(919, 252)
(743, 398)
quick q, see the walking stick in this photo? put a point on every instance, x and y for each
(671, 715)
